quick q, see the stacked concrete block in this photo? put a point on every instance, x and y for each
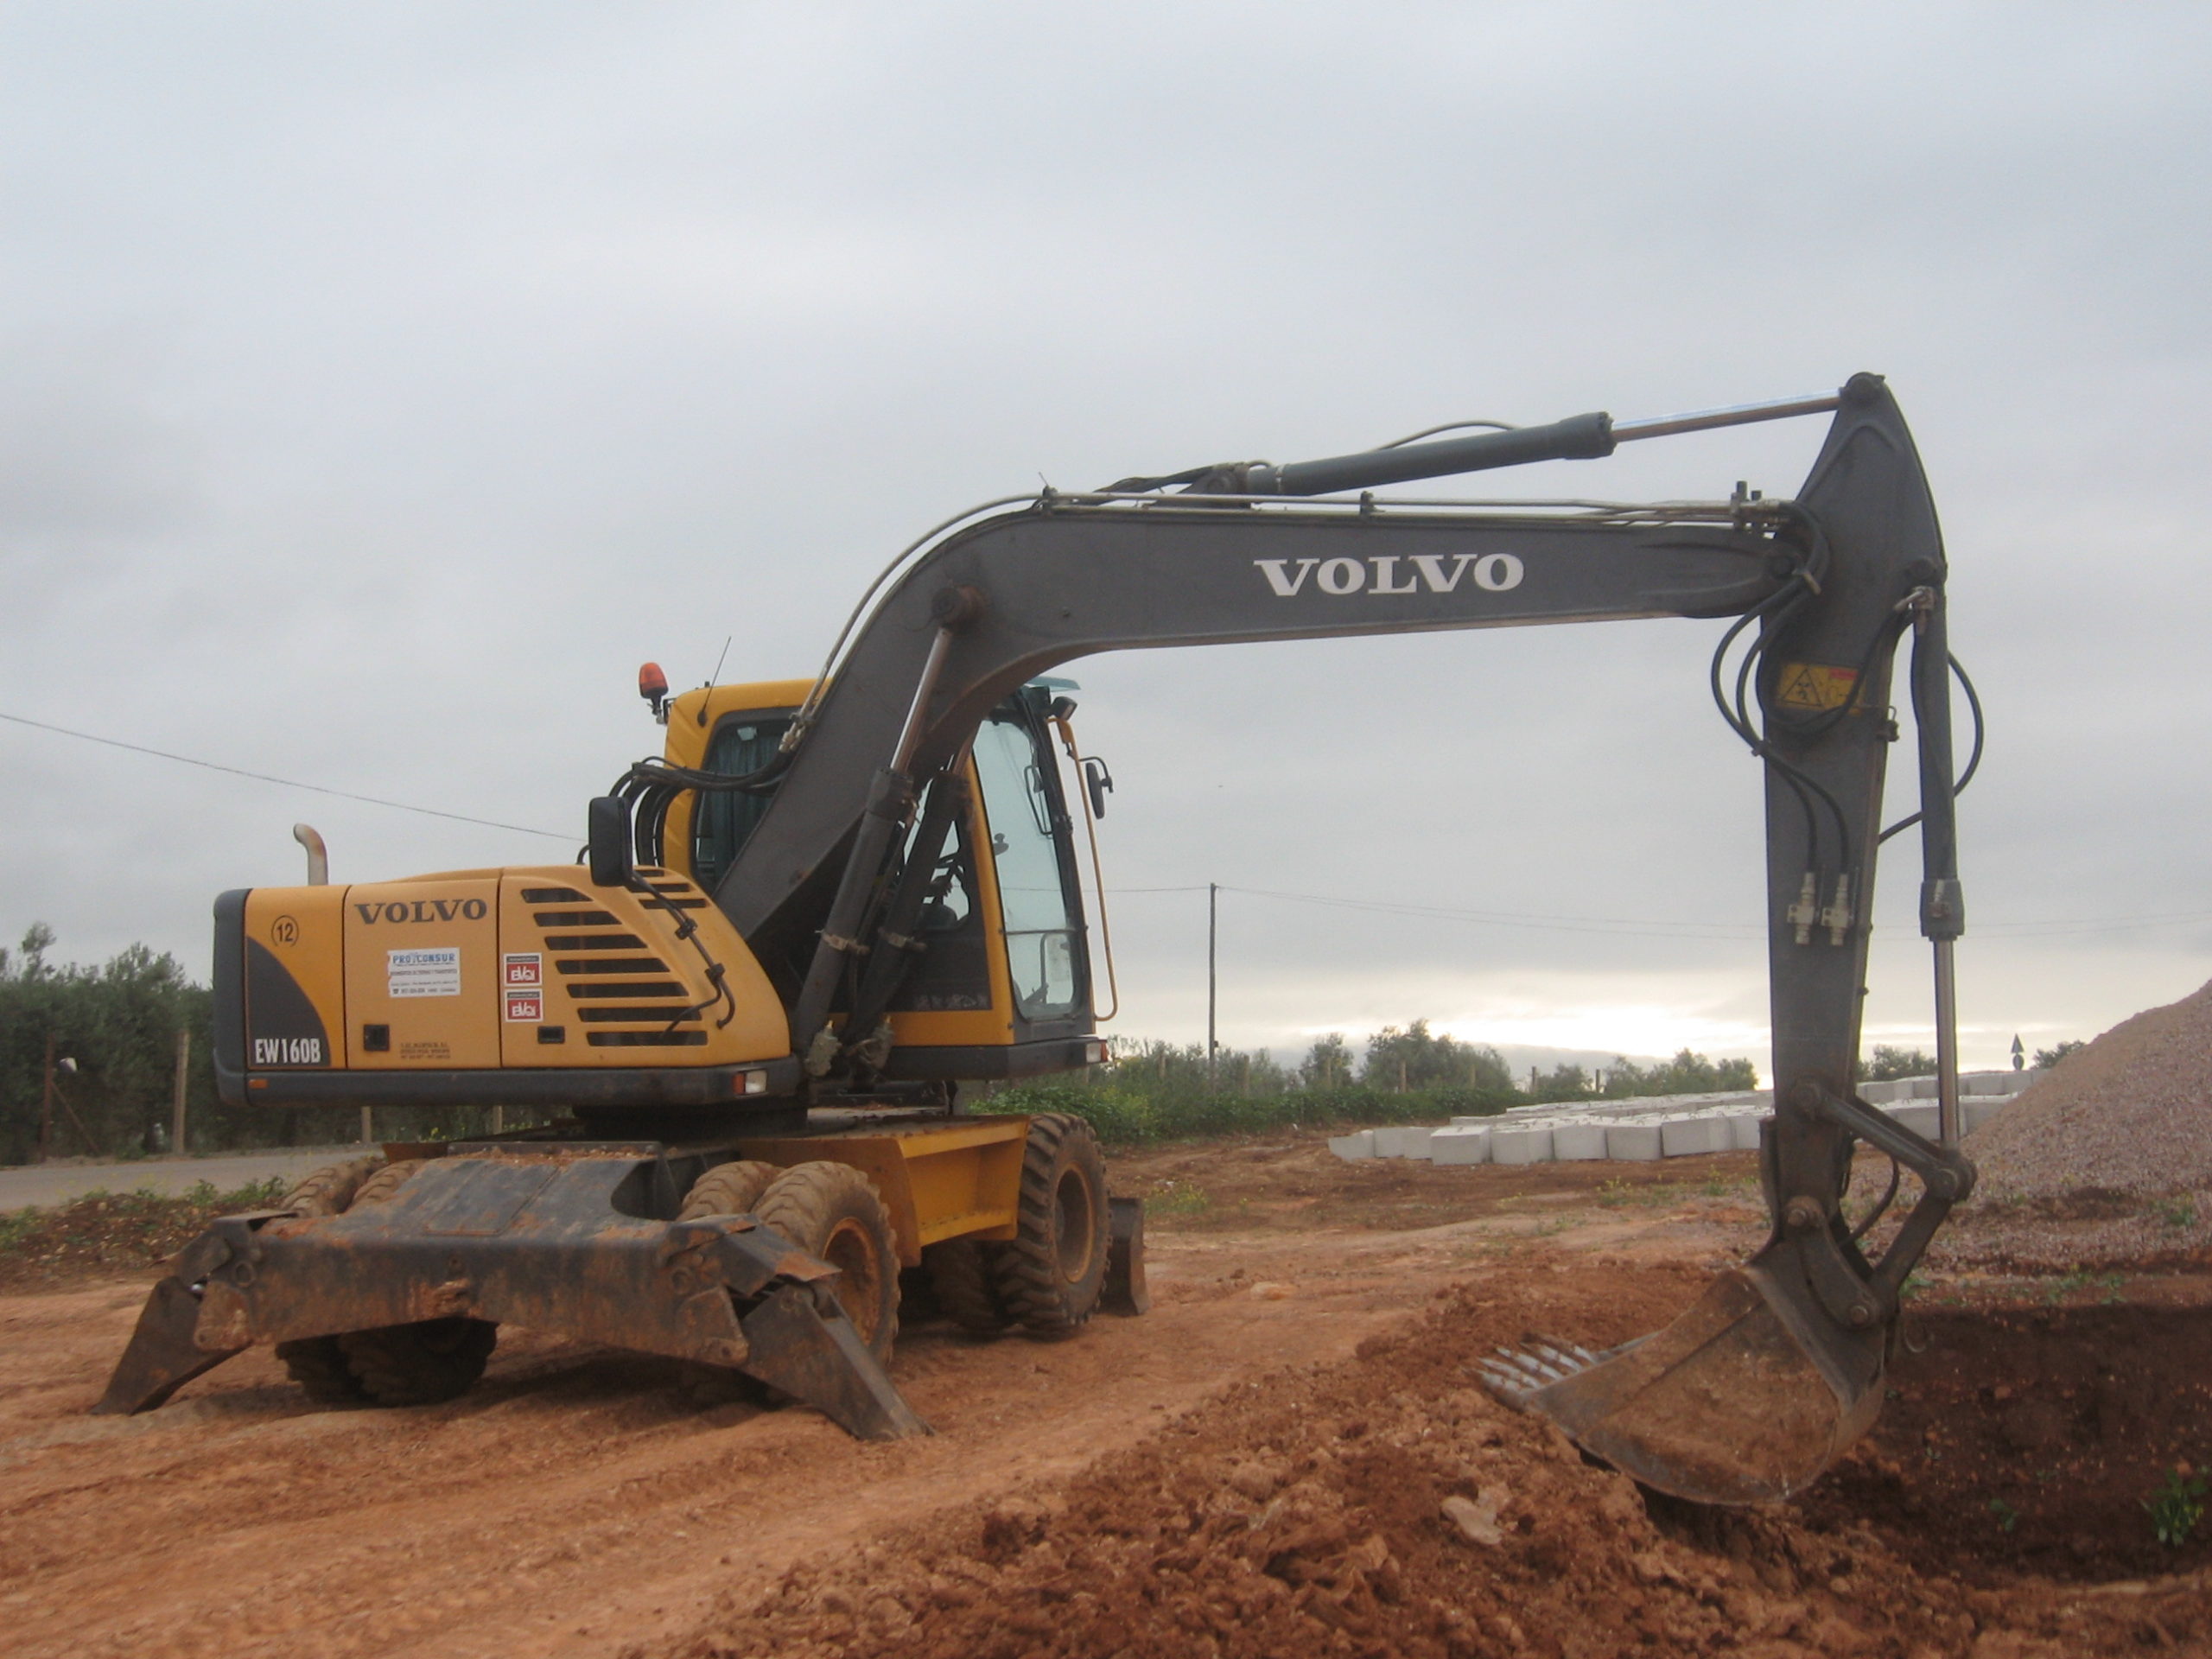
(1683, 1137)
(1921, 1118)
(1572, 1142)
(1521, 1143)
(1462, 1143)
(1399, 1142)
(1896, 1090)
(1359, 1144)
(1637, 1143)
(1661, 1126)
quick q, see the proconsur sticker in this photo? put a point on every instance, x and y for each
(432, 972)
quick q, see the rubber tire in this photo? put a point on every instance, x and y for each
(731, 1189)
(1050, 1275)
(314, 1361)
(833, 1211)
(962, 1272)
(421, 1363)
(398, 1366)
(387, 1181)
(330, 1189)
(318, 1365)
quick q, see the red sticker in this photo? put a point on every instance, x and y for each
(522, 970)
(526, 1006)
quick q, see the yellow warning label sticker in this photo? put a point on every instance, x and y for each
(1815, 685)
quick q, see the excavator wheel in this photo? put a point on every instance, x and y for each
(314, 1363)
(962, 1272)
(833, 1211)
(387, 1181)
(318, 1365)
(418, 1364)
(731, 1189)
(1049, 1276)
(332, 1188)
(398, 1365)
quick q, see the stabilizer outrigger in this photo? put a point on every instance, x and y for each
(559, 1237)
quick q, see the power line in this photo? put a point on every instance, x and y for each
(2053, 927)
(1511, 918)
(286, 783)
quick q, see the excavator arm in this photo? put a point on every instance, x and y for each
(1760, 1385)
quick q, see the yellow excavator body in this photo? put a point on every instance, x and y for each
(484, 970)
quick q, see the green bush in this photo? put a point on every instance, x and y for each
(1125, 1116)
(2176, 1505)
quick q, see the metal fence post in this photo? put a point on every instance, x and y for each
(176, 1101)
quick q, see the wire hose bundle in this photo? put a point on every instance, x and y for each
(1810, 546)
(651, 786)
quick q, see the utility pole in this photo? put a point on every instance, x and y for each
(46, 1103)
(176, 1099)
(1213, 939)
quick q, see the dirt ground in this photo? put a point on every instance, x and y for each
(1257, 1465)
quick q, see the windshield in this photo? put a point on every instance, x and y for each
(1027, 829)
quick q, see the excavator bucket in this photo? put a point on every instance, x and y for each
(1745, 1398)
(1764, 1381)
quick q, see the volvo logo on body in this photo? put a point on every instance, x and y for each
(424, 910)
(1495, 573)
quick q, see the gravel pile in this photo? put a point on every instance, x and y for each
(2105, 1161)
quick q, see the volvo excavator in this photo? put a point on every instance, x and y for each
(829, 902)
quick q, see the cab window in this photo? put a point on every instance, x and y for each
(723, 821)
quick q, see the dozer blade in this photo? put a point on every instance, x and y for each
(1745, 1398)
(162, 1357)
(531, 1235)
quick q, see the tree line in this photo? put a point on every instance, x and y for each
(1408, 1059)
(118, 1021)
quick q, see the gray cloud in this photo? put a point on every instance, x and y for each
(381, 385)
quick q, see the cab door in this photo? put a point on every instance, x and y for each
(1003, 986)
(1029, 842)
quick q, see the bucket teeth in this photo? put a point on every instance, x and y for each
(1513, 1375)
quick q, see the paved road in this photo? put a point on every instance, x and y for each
(52, 1184)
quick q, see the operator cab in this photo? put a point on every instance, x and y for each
(1007, 976)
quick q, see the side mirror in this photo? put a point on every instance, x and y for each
(1098, 783)
(608, 841)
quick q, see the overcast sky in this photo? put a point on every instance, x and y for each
(380, 385)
